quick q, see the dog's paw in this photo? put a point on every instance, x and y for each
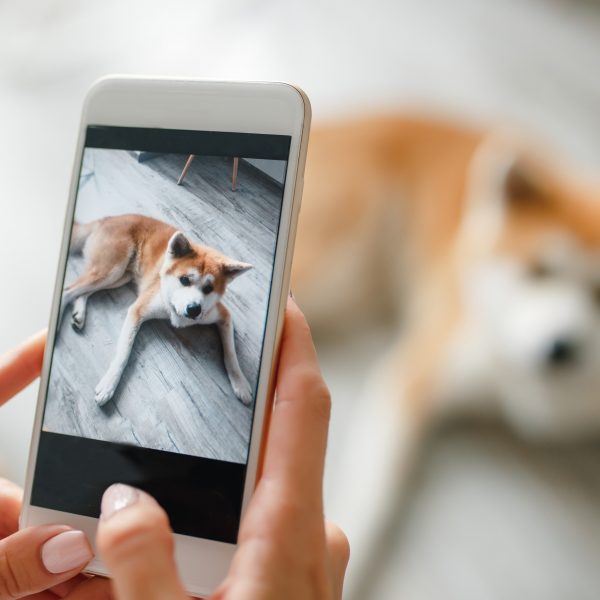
(77, 320)
(78, 313)
(242, 390)
(105, 390)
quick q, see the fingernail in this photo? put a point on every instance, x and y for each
(66, 551)
(117, 497)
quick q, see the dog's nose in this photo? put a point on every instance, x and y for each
(562, 352)
(192, 310)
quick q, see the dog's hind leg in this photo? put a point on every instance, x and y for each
(80, 304)
(96, 278)
(79, 310)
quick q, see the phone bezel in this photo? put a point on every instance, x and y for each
(192, 104)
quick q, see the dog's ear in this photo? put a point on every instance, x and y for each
(503, 176)
(522, 182)
(233, 268)
(179, 245)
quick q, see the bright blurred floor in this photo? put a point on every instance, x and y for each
(533, 62)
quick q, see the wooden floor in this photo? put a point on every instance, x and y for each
(174, 394)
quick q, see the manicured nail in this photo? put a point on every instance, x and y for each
(66, 551)
(117, 497)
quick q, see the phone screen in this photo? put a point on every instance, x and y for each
(165, 294)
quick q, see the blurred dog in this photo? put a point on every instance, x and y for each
(176, 279)
(485, 253)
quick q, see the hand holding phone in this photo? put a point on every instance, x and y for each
(168, 308)
(285, 549)
(47, 557)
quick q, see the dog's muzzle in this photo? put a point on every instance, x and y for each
(562, 352)
(193, 310)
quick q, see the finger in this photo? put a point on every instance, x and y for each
(39, 558)
(11, 497)
(300, 420)
(93, 588)
(136, 542)
(19, 367)
(62, 590)
(338, 551)
(45, 595)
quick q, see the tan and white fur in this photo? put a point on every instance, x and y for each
(176, 279)
(484, 254)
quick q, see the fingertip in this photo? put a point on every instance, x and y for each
(128, 512)
(8, 489)
(116, 497)
(137, 545)
(297, 336)
(11, 497)
(33, 351)
(338, 542)
(292, 307)
(39, 339)
(66, 551)
(338, 549)
(40, 558)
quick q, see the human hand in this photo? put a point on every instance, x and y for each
(40, 563)
(286, 549)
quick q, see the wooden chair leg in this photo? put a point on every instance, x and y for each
(236, 162)
(188, 162)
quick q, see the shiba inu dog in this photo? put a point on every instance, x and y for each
(484, 253)
(176, 279)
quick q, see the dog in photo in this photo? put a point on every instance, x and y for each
(177, 280)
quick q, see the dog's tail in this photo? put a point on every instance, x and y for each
(79, 235)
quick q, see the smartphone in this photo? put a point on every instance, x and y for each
(168, 307)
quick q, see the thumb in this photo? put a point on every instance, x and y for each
(39, 558)
(136, 543)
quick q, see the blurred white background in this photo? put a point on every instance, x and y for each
(531, 62)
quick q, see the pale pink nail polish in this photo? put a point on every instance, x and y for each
(66, 551)
(117, 497)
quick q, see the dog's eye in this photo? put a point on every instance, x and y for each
(185, 280)
(540, 271)
(208, 288)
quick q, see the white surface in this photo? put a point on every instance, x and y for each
(274, 169)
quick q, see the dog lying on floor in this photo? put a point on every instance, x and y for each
(176, 279)
(484, 253)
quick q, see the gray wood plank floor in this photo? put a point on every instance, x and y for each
(174, 394)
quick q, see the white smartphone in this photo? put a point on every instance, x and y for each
(168, 307)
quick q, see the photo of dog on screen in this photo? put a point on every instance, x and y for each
(164, 301)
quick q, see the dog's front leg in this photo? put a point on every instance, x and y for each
(368, 484)
(108, 384)
(239, 383)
